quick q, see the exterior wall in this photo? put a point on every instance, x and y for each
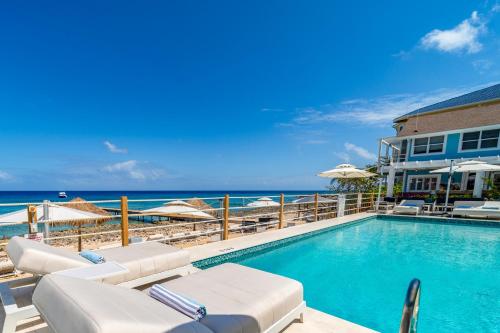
(457, 178)
(476, 116)
(452, 143)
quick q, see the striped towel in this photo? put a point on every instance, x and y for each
(93, 257)
(182, 304)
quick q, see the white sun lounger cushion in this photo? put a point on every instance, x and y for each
(143, 259)
(140, 259)
(238, 298)
(79, 306)
(39, 258)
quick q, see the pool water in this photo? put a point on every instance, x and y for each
(361, 273)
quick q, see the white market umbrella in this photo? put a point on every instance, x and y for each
(263, 202)
(51, 213)
(178, 208)
(469, 166)
(346, 171)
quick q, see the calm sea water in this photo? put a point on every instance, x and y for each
(39, 196)
(361, 273)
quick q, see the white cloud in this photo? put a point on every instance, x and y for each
(379, 111)
(343, 156)
(360, 151)
(463, 37)
(5, 176)
(114, 149)
(482, 65)
(134, 170)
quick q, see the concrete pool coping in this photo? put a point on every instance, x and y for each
(205, 251)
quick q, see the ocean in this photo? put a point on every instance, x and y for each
(40, 196)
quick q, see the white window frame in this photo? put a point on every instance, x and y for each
(460, 150)
(428, 137)
(411, 177)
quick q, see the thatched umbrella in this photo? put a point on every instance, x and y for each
(201, 205)
(81, 204)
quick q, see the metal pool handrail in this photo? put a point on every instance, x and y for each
(411, 306)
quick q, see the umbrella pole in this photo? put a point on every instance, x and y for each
(450, 175)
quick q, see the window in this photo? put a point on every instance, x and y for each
(423, 183)
(430, 145)
(480, 139)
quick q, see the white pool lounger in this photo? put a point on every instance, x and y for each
(413, 207)
(237, 298)
(139, 264)
(485, 209)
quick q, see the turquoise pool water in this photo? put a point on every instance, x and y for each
(360, 273)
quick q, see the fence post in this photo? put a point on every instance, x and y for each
(316, 207)
(282, 211)
(80, 236)
(341, 205)
(32, 219)
(124, 222)
(360, 201)
(226, 217)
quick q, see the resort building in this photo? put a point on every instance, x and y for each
(463, 128)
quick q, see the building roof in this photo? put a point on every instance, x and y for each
(478, 96)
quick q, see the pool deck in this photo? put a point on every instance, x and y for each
(314, 320)
(209, 250)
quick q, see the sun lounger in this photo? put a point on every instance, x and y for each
(147, 262)
(484, 209)
(142, 263)
(413, 207)
(237, 299)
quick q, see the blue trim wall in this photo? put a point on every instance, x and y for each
(452, 151)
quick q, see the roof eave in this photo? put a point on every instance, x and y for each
(487, 101)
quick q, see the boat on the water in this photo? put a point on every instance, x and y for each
(63, 195)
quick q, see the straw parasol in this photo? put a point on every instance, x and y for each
(201, 205)
(178, 209)
(52, 213)
(263, 202)
(83, 205)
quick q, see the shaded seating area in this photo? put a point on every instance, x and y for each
(250, 301)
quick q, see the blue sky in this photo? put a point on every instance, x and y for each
(183, 95)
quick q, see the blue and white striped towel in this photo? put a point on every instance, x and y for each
(180, 303)
(93, 257)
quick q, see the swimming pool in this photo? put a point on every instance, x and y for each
(361, 272)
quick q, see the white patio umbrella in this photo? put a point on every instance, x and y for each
(263, 202)
(51, 213)
(468, 166)
(178, 208)
(346, 171)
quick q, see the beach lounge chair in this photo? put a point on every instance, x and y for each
(413, 207)
(485, 209)
(141, 263)
(237, 299)
(146, 262)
